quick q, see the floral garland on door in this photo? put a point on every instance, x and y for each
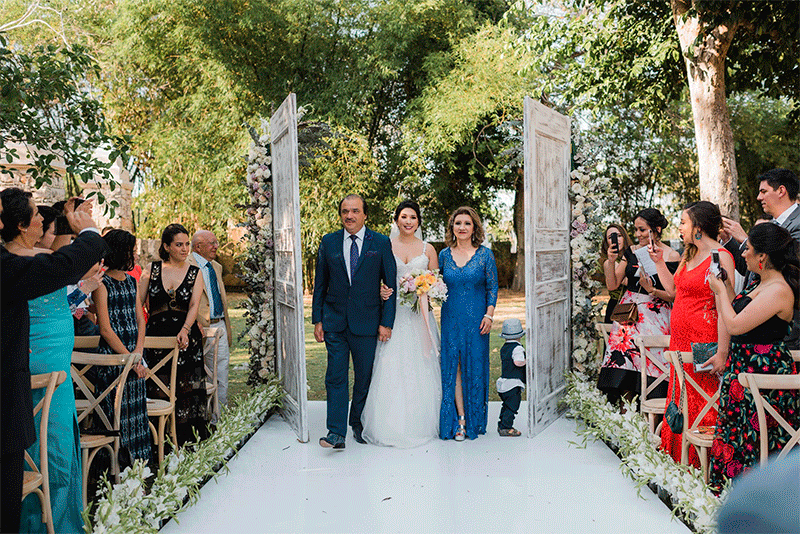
(588, 193)
(259, 262)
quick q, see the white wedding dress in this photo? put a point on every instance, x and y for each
(402, 408)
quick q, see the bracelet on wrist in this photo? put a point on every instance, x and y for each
(186, 327)
(489, 317)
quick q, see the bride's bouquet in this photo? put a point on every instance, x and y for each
(421, 284)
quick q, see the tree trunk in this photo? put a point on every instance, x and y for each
(518, 284)
(704, 50)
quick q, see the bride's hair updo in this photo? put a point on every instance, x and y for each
(411, 205)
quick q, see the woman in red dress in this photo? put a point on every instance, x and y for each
(694, 314)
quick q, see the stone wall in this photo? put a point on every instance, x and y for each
(49, 194)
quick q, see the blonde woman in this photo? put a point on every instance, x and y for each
(469, 270)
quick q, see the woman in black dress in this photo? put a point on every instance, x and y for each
(170, 290)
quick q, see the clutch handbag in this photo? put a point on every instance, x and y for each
(701, 352)
(673, 415)
(626, 313)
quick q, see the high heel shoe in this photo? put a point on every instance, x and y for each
(461, 433)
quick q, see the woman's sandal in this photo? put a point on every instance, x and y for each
(512, 432)
(461, 433)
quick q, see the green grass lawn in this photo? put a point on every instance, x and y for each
(509, 305)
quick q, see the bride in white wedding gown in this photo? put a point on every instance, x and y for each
(402, 407)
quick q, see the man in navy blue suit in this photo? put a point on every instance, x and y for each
(349, 314)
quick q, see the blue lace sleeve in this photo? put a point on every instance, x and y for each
(490, 271)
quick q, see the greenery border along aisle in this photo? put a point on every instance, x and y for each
(691, 497)
(129, 508)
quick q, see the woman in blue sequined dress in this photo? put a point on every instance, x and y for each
(470, 272)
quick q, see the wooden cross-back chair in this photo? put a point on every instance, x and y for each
(82, 344)
(108, 436)
(212, 380)
(755, 383)
(604, 329)
(163, 409)
(86, 342)
(700, 437)
(651, 406)
(36, 479)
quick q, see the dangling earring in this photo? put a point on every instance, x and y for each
(760, 265)
(699, 235)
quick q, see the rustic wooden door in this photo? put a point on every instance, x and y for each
(290, 345)
(547, 260)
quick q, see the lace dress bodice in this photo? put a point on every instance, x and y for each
(402, 407)
(419, 262)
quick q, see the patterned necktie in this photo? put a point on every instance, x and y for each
(353, 256)
(216, 310)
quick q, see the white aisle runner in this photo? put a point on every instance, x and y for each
(491, 484)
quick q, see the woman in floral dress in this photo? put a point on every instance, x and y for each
(694, 315)
(619, 373)
(758, 320)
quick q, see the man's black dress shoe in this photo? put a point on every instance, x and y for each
(332, 441)
(357, 436)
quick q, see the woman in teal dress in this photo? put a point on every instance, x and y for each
(51, 339)
(470, 272)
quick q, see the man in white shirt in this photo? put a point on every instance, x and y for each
(777, 192)
(213, 311)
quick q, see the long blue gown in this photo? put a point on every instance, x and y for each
(470, 290)
(52, 337)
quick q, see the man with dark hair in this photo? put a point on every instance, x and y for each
(777, 192)
(777, 178)
(24, 278)
(348, 313)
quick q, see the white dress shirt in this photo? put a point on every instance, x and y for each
(780, 219)
(347, 243)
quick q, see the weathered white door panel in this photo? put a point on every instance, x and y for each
(547, 260)
(289, 333)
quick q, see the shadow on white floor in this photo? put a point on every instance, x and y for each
(491, 484)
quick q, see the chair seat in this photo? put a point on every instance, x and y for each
(657, 405)
(702, 436)
(159, 407)
(30, 481)
(81, 405)
(92, 441)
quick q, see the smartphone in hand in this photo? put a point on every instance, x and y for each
(615, 242)
(650, 244)
(716, 269)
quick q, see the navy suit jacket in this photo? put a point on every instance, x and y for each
(337, 304)
(25, 278)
